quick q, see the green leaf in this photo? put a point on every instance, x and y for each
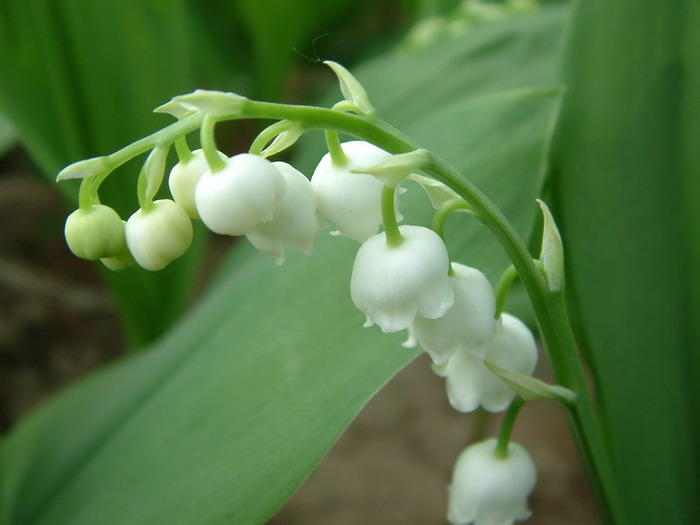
(85, 76)
(8, 137)
(621, 190)
(276, 27)
(222, 419)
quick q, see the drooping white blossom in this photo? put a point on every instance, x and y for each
(94, 232)
(470, 384)
(159, 234)
(491, 490)
(183, 180)
(469, 324)
(390, 285)
(238, 198)
(351, 201)
(295, 224)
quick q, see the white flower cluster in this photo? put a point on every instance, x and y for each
(449, 309)
(271, 203)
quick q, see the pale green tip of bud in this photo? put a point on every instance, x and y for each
(83, 169)
(552, 254)
(94, 233)
(218, 104)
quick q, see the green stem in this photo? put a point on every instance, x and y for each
(338, 156)
(208, 141)
(507, 427)
(87, 195)
(443, 211)
(503, 287)
(141, 189)
(391, 227)
(184, 153)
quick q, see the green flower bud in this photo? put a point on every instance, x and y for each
(121, 261)
(95, 232)
(159, 234)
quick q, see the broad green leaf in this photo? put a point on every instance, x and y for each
(85, 76)
(222, 419)
(8, 137)
(689, 167)
(621, 187)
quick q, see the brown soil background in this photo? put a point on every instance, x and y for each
(391, 466)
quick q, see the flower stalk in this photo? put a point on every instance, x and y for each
(391, 227)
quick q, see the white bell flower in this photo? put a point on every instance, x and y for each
(390, 285)
(469, 324)
(470, 384)
(351, 201)
(238, 198)
(491, 490)
(294, 225)
(94, 232)
(183, 180)
(159, 234)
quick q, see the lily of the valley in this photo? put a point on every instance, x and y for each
(183, 180)
(158, 234)
(469, 324)
(294, 225)
(350, 200)
(392, 284)
(488, 489)
(470, 384)
(94, 232)
(241, 196)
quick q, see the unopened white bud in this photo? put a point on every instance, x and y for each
(238, 198)
(122, 260)
(471, 384)
(94, 232)
(159, 234)
(183, 180)
(350, 200)
(391, 284)
(488, 489)
(468, 326)
(294, 225)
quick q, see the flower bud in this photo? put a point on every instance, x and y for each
(488, 489)
(122, 260)
(470, 383)
(159, 234)
(469, 324)
(351, 201)
(294, 225)
(94, 232)
(238, 198)
(183, 180)
(391, 284)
